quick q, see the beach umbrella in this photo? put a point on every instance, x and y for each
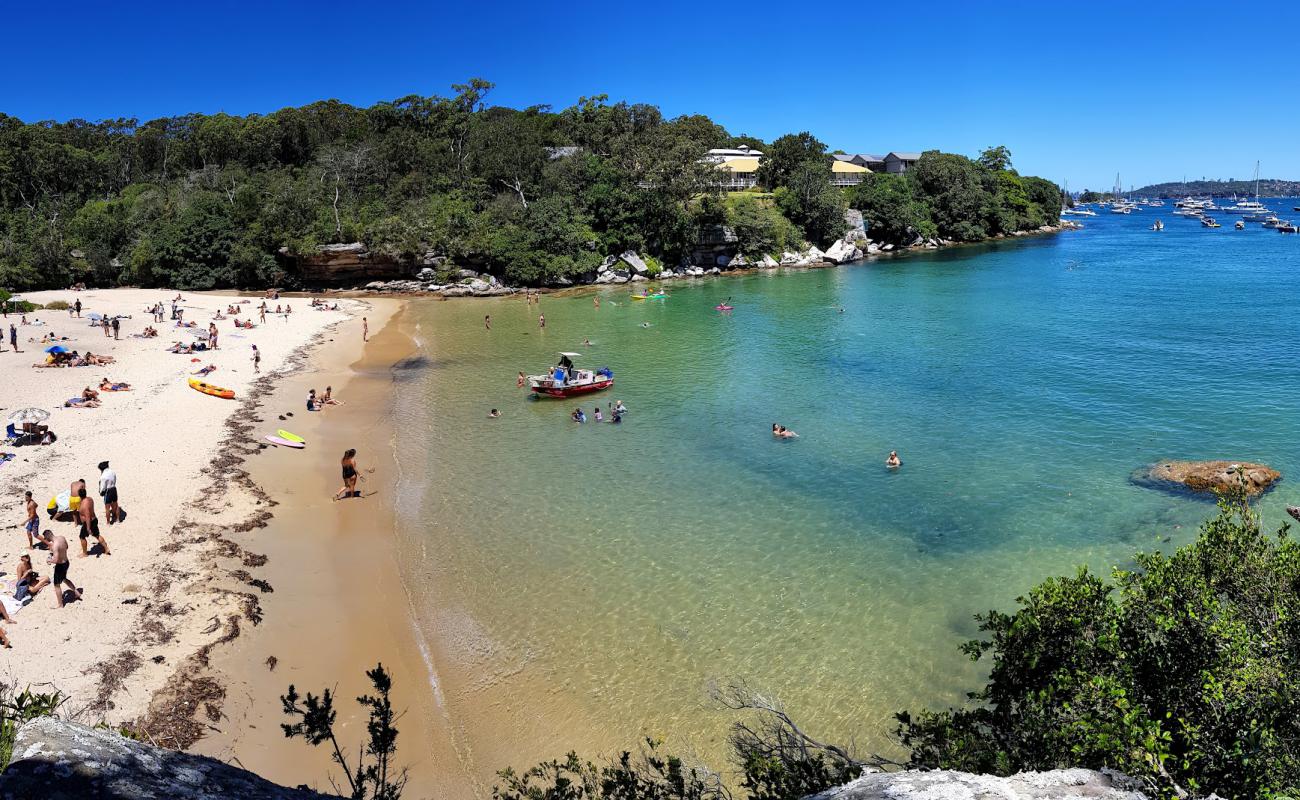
(58, 348)
(26, 415)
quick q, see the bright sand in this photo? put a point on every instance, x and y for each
(339, 606)
(186, 561)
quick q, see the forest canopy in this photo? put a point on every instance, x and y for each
(530, 195)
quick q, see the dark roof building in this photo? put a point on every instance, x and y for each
(899, 163)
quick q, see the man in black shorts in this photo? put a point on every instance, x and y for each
(89, 523)
(59, 558)
(108, 491)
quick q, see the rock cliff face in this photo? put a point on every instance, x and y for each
(56, 760)
(1059, 784)
(353, 264)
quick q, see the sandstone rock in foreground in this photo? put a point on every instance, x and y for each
(1205, 477)
(1060, 784)
(57, 760)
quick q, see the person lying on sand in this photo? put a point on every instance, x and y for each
(106, 385)
(98, 361)
(208, 370)
(181, 347)
(80, 402)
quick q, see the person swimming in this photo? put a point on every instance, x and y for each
(578, 416)
(893, 462)
(493, 414)
(782, 432)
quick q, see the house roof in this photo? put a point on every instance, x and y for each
(847, 167)
(905, 156)
(740, 165)
(870, 157)
(843, 156)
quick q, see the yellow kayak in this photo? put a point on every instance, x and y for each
(207, 388)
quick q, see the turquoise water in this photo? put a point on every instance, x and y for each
(580, 585)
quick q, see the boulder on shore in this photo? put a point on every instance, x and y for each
(942, 784)
(1205, 477)
(57, 760)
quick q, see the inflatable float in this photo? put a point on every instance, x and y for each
(723, 307)
(658, 296)
(207, 388)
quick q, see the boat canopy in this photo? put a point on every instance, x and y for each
(571, 355)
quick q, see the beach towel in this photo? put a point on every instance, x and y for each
(12, 606)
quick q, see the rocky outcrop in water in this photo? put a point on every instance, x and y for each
(1206, 477)
(57, 760)
(1059, 784)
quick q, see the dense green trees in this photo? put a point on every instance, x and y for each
(530, 195)
(953, 197)
(1183, 670)
(207, 201)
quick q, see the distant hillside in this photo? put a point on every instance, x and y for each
(1271, 187)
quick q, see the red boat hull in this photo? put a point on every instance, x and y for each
(574, 391)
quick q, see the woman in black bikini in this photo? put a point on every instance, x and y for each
(349, 463)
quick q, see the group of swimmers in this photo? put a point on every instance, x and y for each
(782, 432)
(616, 413)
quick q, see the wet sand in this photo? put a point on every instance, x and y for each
(338, 606)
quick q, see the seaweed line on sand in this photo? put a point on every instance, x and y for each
(202, 602)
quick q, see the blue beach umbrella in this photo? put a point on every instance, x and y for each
(58, 348)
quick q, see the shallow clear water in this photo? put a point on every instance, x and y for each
(580, 585)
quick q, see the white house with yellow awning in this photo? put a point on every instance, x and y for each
(738, 173)
(846, 173)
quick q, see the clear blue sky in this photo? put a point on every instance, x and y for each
(1078, 91)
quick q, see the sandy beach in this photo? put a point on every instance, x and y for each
(186, 571)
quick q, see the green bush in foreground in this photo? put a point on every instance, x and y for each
(1184, 671)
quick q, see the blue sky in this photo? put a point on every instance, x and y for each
(1078, 91)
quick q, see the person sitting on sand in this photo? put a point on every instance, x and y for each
(493, 414)
(106, 385)
(327, 399)
(208, 370)
(893, 462)
(29, 580)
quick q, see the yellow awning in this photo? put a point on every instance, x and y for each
(740, 165)
(847, 166)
